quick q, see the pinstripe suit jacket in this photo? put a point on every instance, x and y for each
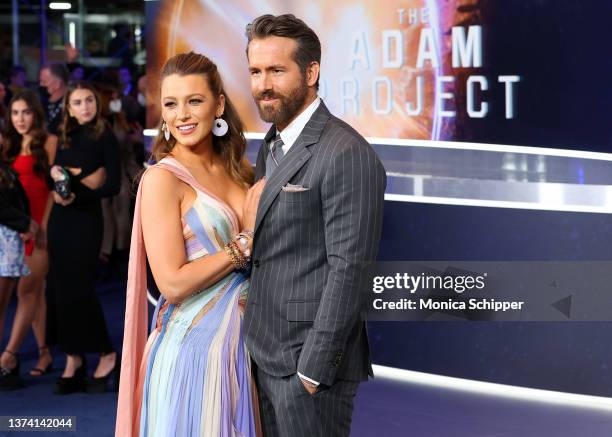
(304, 307)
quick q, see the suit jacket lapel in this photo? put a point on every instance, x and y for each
(296, 157)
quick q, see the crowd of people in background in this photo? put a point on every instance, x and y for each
(71, 146)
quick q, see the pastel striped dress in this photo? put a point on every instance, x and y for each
(194, 376)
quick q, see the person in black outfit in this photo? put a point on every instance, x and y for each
(14, 207)
(15, 222)
(53, 78)
(90, 153)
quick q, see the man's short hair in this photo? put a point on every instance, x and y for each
(288, 26)
(58, 69)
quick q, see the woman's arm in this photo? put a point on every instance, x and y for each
(51, 148)
(176, 278)
(41, 241)
(112, 166)
(94, 180)
(111, 169)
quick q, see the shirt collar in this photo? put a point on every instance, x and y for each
(295, 128)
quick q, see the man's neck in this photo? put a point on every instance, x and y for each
(57, 95)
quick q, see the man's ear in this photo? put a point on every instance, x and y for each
(312, 73)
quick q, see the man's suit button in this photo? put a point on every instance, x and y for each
(256, 263)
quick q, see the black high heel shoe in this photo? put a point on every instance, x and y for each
(100, 385)
(75, 383)
(9, 378)
(38, 371)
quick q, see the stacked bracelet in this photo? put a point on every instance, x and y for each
(232, 255)
(238, 250)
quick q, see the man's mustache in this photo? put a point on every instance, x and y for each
(267, 95)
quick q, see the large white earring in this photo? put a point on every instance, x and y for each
(166, 131)
(220, 127)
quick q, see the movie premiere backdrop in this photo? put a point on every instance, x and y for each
(521, 72)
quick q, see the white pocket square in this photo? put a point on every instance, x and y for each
(290, 188)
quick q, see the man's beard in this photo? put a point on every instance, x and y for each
(290, 104)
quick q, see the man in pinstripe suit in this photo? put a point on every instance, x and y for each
(319, 220)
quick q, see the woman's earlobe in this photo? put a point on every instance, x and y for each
(221, 105)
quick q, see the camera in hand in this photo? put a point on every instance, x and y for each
(61, 181)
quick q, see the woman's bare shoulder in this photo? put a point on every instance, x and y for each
(162, 182)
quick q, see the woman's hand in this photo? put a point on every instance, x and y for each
(61, 201)
(95, 180)
(31, 232)
(57, 174)
(249, 209)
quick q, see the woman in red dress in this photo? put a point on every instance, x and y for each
(30, 149)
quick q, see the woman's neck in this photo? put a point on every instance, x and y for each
(199, 156)
(26, 140)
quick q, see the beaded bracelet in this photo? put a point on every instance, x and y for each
(238, 250)
(242, 260)
(232, 256)
(236, 256)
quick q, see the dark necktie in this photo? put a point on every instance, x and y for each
(275, 156)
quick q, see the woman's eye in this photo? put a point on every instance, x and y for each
(195, 101)
(169, 104)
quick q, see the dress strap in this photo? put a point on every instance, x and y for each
(178, 170)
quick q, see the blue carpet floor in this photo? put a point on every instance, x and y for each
(95, 414)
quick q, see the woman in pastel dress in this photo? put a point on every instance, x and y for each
(193, 221)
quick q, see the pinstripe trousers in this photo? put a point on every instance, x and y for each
(288, 410)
